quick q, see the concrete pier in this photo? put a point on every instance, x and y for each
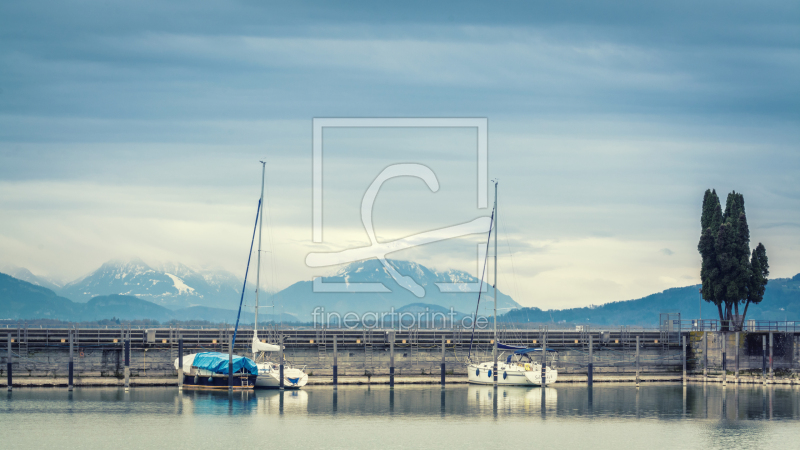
(110, 356)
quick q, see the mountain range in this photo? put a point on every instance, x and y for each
(172, 285)
(134, 290)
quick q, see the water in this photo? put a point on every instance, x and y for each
(608, 416)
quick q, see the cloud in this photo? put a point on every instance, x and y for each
(126, 131)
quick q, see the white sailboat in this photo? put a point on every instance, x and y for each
(269, 372)
(519, 368)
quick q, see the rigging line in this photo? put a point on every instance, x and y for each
(244, 287)
(272, 252)
(511, 256)
(480, 288)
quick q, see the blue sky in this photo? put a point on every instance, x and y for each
(136, 129)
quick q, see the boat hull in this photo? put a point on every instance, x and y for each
(268, 378)
(510, 375)
(219, 382)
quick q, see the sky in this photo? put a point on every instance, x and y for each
(136, 129)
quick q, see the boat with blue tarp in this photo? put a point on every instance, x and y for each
(209, 370)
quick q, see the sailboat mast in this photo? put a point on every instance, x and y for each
(260, 224)
(494, 349)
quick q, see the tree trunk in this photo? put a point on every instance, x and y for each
(744, 314)
(719, 308)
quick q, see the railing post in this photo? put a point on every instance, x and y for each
(544, 363)
(69, 384)
(705, 356)
(180, 363)
(724, 359)
(128, 361)
(280, 355)
(683, 358)
(764, 357)
(737, 358)
(590, 370)
(443, 366)
(637, 361)
(230, 362)
(9, 363)
(391, 358)
(771, 372)
(335, 362)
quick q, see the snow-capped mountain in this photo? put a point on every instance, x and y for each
(302, 298)
(172, 285)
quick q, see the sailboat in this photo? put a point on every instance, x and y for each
(522, 366)
(270, 372)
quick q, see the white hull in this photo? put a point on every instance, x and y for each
(511, 374)
(269, 378)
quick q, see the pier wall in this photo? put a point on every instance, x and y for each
(99, 352)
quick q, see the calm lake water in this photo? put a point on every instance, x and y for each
(608, 416)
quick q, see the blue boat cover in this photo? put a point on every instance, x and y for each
(502, 346)
(218, 363)
(531, 350)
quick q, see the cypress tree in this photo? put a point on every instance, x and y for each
(730, 274)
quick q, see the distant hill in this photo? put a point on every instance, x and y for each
(20, 300)
(24, 274)
(781, 302)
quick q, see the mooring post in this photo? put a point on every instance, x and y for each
(771, 372)
(705, 356)
(128, 361)
(443, 360)
(280, 355)
(180, 363)
(764, 358)
(391, 358)
(230, 363)
(724, 359)
(683, 358)
(8, 365)
(637, 361)
(736, 359)
(69, 369)
(335, 362)
(544, 361)
(590, 371)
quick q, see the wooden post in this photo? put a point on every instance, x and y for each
(771, 372)
(280, 355)
(335, 362)
(724, 359)
(683, 358)
(70, 361)
(590, 370)
(128, 361)
(391, 358)
(180, 363)
(443, 367)
(637, 361)
(737, 358)
(8, 365)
